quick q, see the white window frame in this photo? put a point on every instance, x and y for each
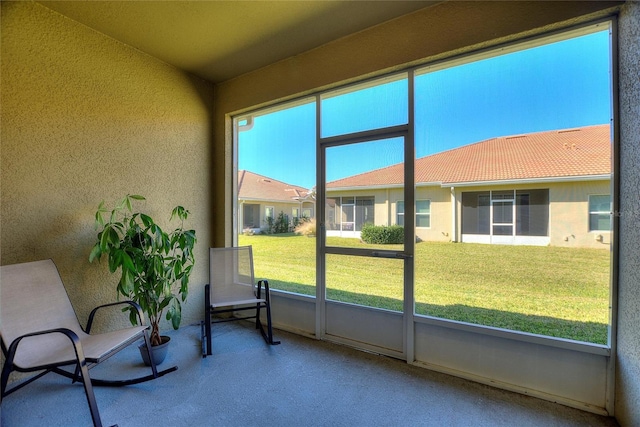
(608, 212)
(419, 214)
(266, 212)
(398, 213)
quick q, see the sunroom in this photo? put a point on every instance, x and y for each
(103, 99)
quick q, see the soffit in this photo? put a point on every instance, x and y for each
(220, 40)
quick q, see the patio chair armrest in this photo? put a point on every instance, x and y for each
(266, 288)
(73, 337)
(131, 303)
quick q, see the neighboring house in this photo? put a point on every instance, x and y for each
(260, 197)
(546, 188)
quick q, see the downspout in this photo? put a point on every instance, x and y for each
(454, 215)
(388, 197)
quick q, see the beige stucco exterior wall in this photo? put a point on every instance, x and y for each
(441, 217)
(569, 215)
(85, 119)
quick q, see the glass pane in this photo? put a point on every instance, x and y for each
(600, 203)
(600, 222)
(505, 136)
(357, 280)
(370, 106)
(276, 201)
(353, 197)
(423, 220)
(423, 206)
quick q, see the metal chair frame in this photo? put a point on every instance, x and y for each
(211, 310)
(81, 364)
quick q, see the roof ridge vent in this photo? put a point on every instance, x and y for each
(569, 130)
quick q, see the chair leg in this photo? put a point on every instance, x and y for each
(258, 324)
(207, 320)
(6, 371)
(88, 390)
(269, 326)
(86, 380)
(268, 335)
(147, 341)
(203, 339)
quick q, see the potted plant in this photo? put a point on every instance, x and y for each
(154, 266)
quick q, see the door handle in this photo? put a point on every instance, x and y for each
(390, 254)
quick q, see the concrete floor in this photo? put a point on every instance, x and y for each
(302, 382)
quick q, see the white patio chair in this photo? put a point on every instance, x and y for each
(232, 288)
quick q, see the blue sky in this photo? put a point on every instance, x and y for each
(561, 85)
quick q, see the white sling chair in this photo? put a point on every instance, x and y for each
(232, 288)
(40, 331)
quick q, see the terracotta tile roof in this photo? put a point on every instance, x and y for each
(543, 155)
(252, 186)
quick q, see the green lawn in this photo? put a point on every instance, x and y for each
(559, 292)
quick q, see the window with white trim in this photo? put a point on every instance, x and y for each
(600, 212)
(269, 212)
(423, 213)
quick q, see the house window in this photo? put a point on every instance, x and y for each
(423, 213)
(269, 212)
(295, 213)
(307, 213)
(600, 212)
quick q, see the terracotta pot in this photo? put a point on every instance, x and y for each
(159, 351)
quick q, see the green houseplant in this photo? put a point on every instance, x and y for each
(154, 265)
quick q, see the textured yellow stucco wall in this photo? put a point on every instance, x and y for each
(84, 119)
(627, 396)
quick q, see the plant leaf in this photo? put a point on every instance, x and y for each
(96, 252)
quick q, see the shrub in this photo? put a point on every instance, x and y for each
(382, 234)
(277, 225)
(306, 227)
(282, 223)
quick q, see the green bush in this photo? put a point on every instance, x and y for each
(382, 234)
(278, 225)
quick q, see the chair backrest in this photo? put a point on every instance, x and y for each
(33, 298)
(231, 274)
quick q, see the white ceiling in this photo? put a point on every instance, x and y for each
(219, 40)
